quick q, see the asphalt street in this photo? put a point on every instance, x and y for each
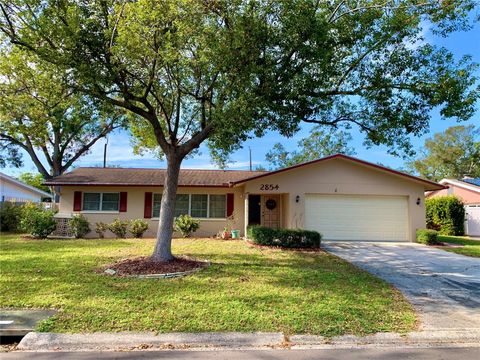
(345, 354)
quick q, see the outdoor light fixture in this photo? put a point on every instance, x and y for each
(297, 198)
(418, 201)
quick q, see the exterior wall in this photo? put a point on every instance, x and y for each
(10, 191)
(135, 207)
(336, 176)
(339, 176)
(466, 195)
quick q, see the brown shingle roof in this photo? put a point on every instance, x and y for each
(148, 177)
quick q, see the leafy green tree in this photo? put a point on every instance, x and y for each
(42, 115)
(222, 71)
(34, 179)
(318, 144)
(454, 153)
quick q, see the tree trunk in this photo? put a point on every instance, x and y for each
(163, 246)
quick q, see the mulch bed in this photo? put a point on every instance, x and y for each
(145, 266)
(444, 244)
(252, 244)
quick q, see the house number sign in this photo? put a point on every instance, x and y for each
(269, 187)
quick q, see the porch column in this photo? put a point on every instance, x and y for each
(246, 214)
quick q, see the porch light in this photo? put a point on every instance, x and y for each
(297, 198)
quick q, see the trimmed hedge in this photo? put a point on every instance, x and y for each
(290, 238)
(427, 237)
(446, 214)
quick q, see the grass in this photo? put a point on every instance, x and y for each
(245, 289)
(470, 247)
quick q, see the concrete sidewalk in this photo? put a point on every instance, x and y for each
(194, 341)
(21, 322)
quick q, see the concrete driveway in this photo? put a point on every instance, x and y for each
(443, 287)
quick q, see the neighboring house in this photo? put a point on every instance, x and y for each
(14, 190)
(342, 197)
(468, 190)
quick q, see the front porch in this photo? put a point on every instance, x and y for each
(269, 210)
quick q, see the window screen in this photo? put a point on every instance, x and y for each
(199, 206)
(218, 205)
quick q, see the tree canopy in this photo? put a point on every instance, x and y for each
(42, 115)
(222, 71)
(454, 153)
(318, 144)
(33, 179)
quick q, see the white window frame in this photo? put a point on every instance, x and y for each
(101, 202)
(190, 206)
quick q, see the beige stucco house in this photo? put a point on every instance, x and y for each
(342, 197)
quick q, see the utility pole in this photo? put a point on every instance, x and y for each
(250, 150)
(105, 153)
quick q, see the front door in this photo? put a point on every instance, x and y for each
(271, 211)
(254, 209)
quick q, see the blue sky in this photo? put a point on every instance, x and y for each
(120, 153)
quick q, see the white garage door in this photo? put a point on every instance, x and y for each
(352, 217)
(472, 220)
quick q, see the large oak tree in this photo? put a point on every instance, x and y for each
(42, 115)
(317, 144)
(221, 71)
(454, 153)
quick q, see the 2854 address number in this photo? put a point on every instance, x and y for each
(269, 187)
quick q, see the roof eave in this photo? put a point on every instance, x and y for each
(131, 185)
(428, 185)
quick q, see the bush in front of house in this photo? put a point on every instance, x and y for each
(79, 226)
(119, 228)
(446, 214)
(101, 228)
(186, 225)
(138, 227)
(427, 237)
(36, 221)
(290, 238)
(10, 216)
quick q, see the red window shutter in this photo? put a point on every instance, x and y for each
(77, 201)
(123, 201)
(147, 213)
(230, 204)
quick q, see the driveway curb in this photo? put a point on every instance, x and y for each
(194, 341)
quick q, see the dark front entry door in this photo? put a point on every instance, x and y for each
(254, 209)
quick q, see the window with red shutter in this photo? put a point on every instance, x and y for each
(77, 201)
(147, 211)
(230, 204)
(123, 201)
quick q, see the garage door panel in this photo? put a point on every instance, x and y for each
(355, 217)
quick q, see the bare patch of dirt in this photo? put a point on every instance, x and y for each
(145, 265)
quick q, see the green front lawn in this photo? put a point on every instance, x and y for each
(245, 289)
(470, 247)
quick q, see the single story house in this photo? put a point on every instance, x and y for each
(468, 190)
(13, 190)
(342, 197)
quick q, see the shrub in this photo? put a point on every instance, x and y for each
(138, 227)
(10, 216)
(101, 228)
(291, 238)
(186, 225)
(36, 221)
(79, 226)
(445, 214)
(427, 237)
(119, 228)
